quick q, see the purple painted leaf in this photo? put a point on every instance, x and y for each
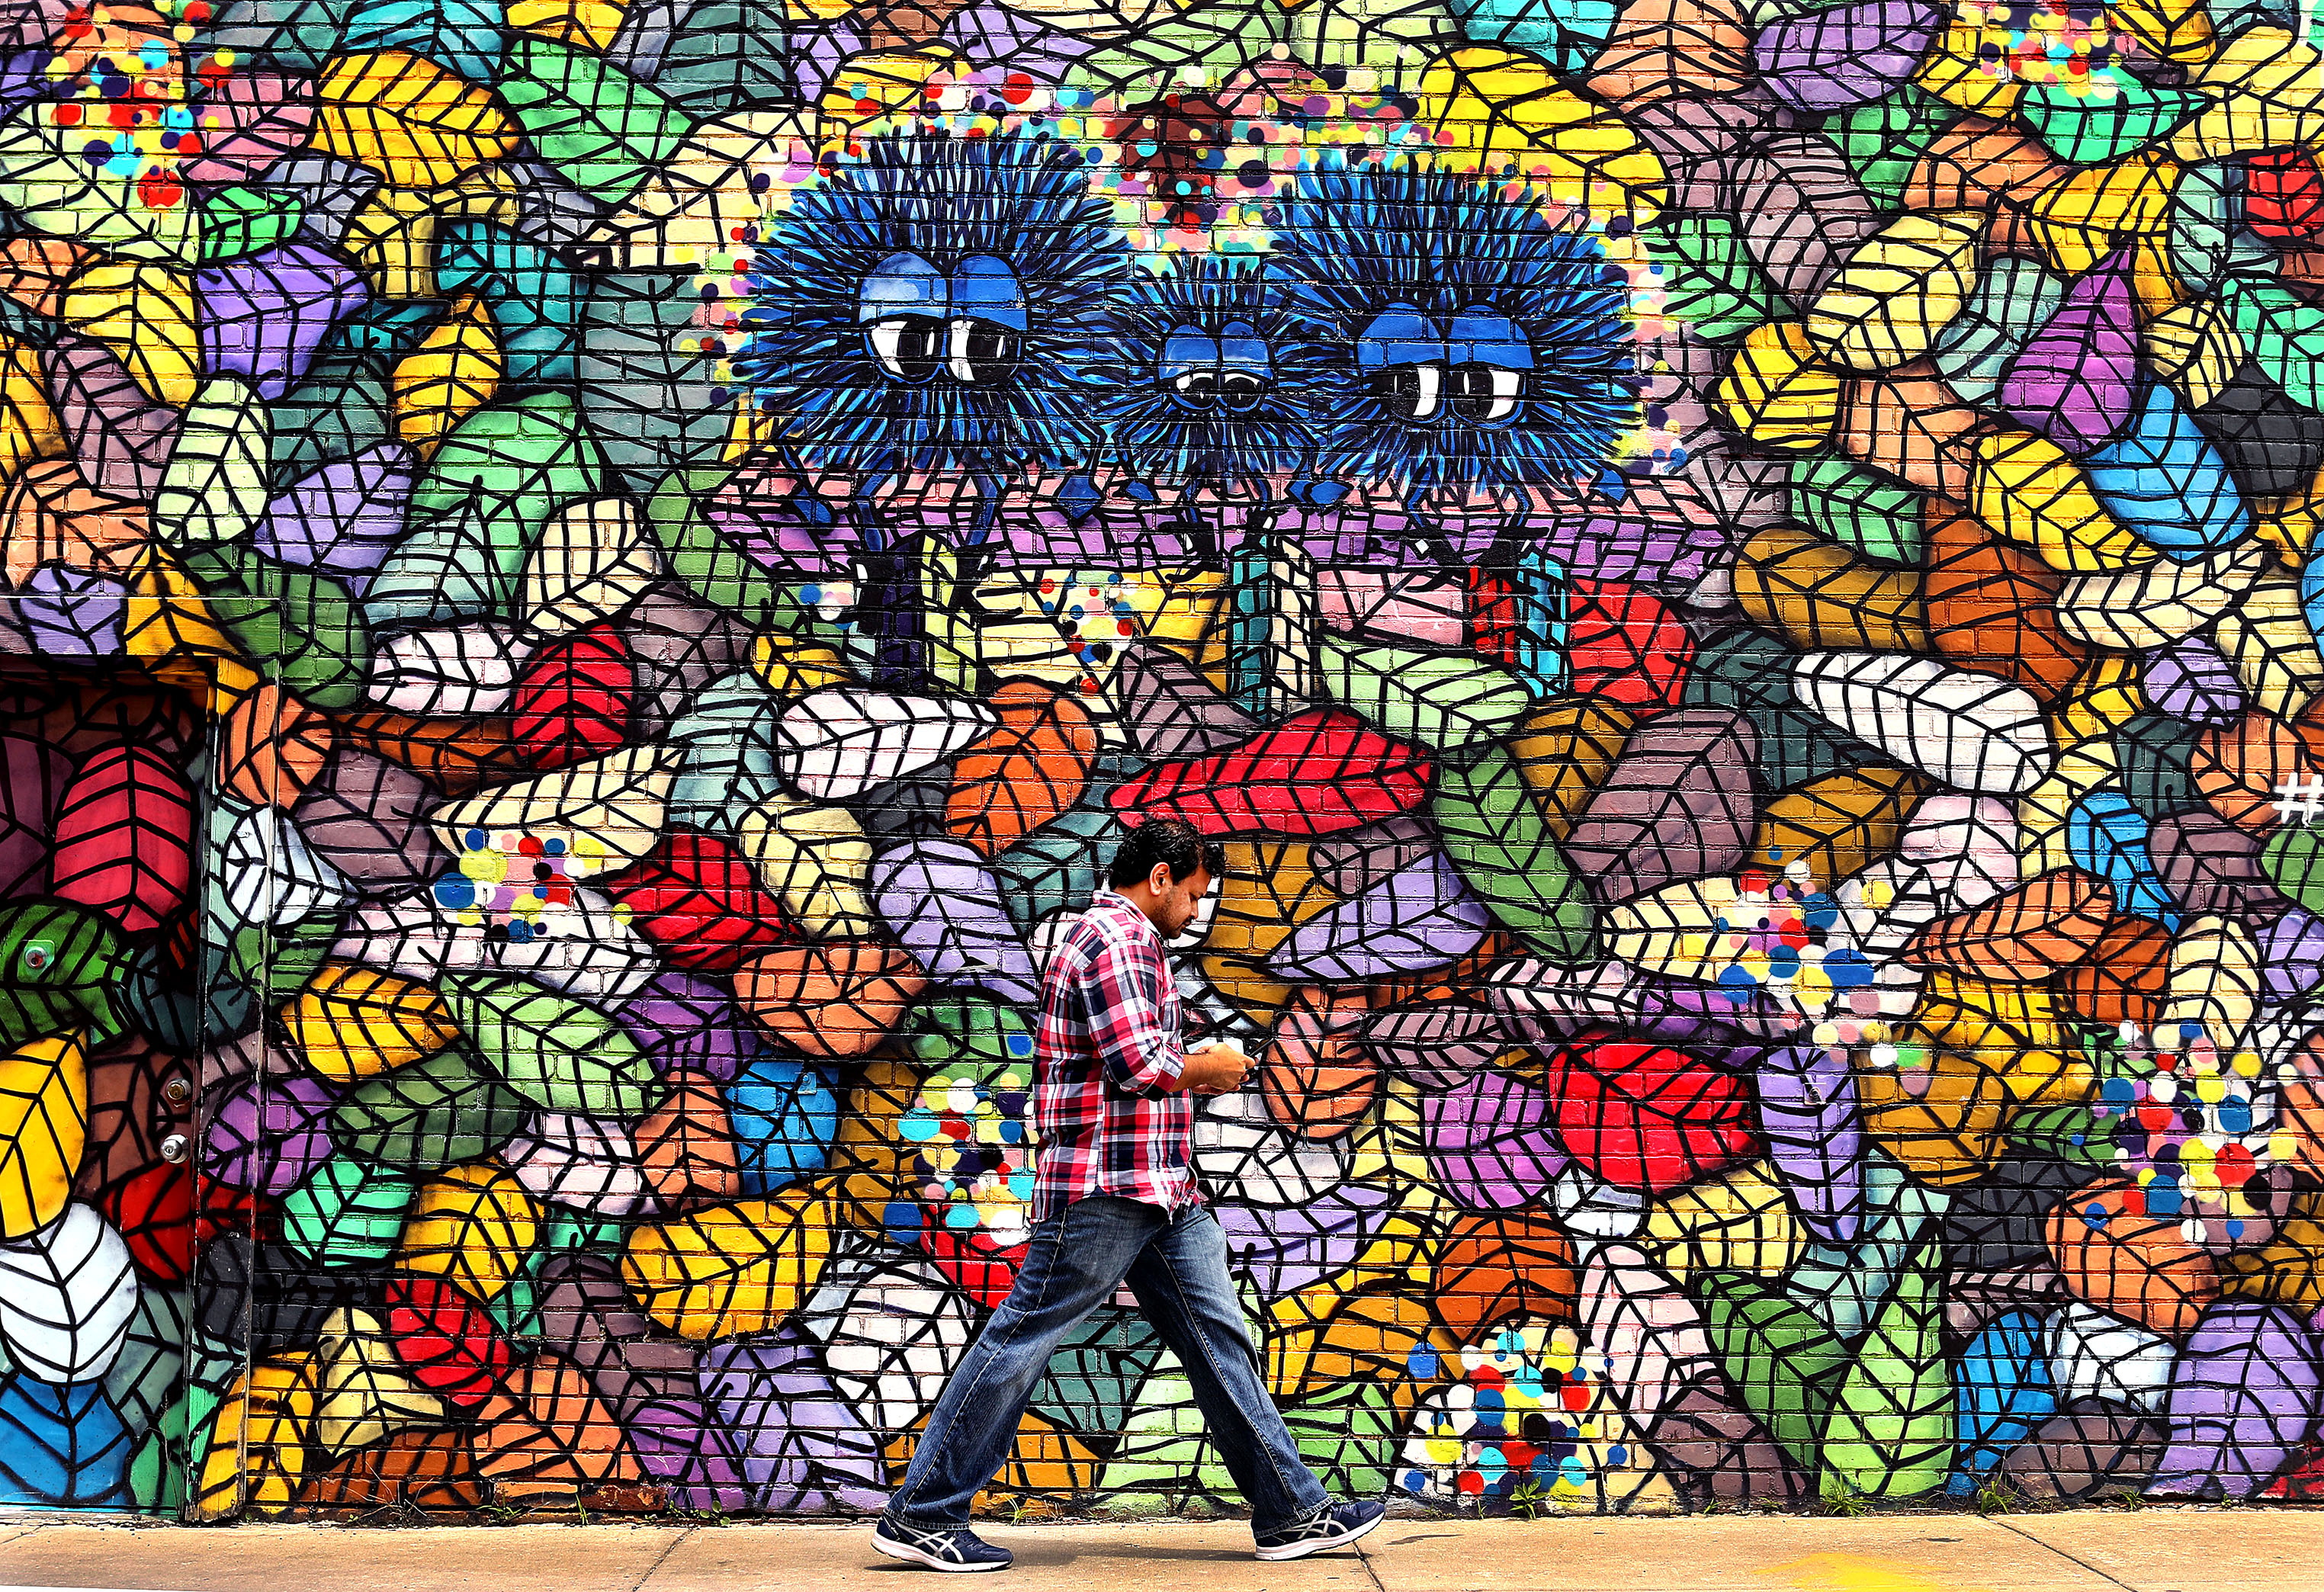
(2192, 680)
(27, 25)
(73, 612)
(804, 1449)
(944, 905)
(770, 518)
(682, 1021)
(683, 1451)
(1490, 1143)
(2292, 954)
(121, 438)
(264, 316)
(1424, 917)
(1663, 528)
(1439, 1045)
(1552, 1006)
(2244, 1393)
(1850, 55)
(1807, 1109)
(2211, 867)
(1075, 525)
(1282, 1251)
(1678, 804)
(250, 121)
(1171, 709)
(2076, 380)
(269, 1133)
(345, 517)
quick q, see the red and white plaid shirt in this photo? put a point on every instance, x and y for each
(1109, 1043)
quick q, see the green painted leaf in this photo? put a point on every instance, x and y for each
(429, 1115)
(554, 1052)
(1851, 505)
(602, 130)
(1444, 701)
(1890, 1433)
(1709, 280)
(2088, 131)
(346, 1213)
(1498, 838)
(238, 221)
(2285, 335)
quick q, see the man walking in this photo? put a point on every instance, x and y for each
(1115, 1199)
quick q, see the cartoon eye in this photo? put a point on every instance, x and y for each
(1240, 392)
(1413, 392)
(1486, 391)
(1197, 390)
(983, 354)
(38, 956)
(908, 348)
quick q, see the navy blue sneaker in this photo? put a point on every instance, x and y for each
(1335, 1526)
(952, 1549)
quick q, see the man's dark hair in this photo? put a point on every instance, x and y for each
(1178, 846)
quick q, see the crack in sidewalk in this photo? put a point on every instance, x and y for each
(2061, 1552)
(661, 1558)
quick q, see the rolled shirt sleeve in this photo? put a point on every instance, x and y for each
(1129, 994)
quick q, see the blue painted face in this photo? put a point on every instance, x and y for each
(1230, 373)
(923, 325)
(1468, 368)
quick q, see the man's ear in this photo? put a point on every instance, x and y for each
(1159, 880)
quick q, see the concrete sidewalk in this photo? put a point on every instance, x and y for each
(2151, 1551)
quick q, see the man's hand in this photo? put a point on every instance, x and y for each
(1216, 1069)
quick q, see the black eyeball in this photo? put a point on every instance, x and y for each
(1240, 392)
(1486, 391)
(1196, 390)
(982, 353)
(1411, 392)
(908, 348)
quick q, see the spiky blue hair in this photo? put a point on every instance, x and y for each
(1362, 239)
(1154, 438)
(1019, 199)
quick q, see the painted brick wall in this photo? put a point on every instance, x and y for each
(586, 584)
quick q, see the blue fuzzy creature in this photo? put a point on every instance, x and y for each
(940, 303)
(1486, 348)
(1225, 387)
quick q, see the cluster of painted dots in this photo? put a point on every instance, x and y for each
(1517, 1408)
(975, 1153)
(2052, 44)
(2191, 1134)
(510, 881)
(1779, 934)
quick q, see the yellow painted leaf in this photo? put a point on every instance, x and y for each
(351, 1022)
(1491, 109)
(43, 1128)
(144, 314)
(2023, 487)
(2079, 220)
(455, 370)
(1901, 287)
(416, 123)
(473, 1226)
(1776, 392)
(731, 1270)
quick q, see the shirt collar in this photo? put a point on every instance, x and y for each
(1107, 896)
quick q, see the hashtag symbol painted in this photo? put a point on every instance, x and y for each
(2301, 799)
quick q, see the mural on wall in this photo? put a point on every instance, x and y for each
(591, 581)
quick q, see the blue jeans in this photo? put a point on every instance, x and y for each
(1177, 1266)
